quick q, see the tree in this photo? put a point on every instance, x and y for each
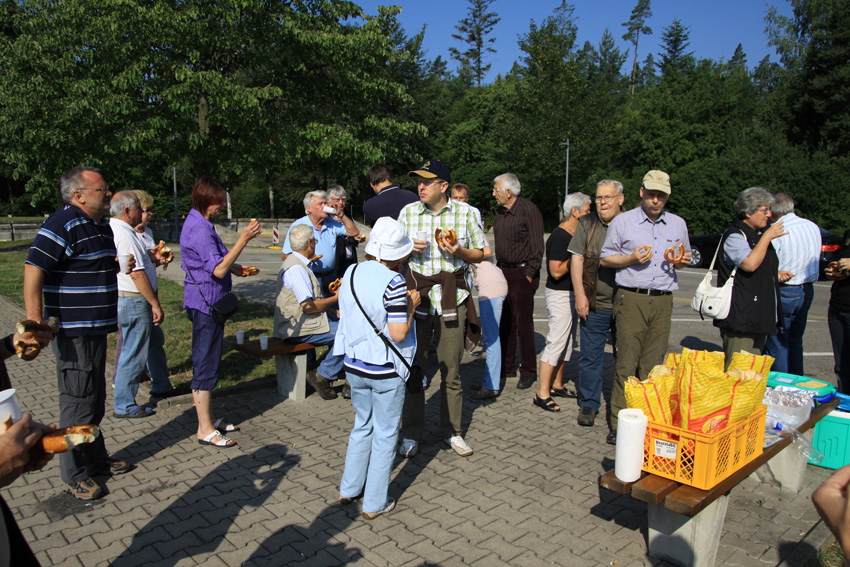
(473, 31)
(675, 40)
(635, 27)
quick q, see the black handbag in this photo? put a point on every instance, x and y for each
(221, 310)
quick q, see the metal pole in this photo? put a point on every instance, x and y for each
(174, 177)
(567, 175)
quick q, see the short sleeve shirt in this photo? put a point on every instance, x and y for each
(325, 242)
(557, 251)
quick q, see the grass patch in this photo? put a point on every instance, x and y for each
(831, 556)
(15, 245)
(236, 367)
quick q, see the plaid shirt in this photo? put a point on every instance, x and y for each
(416, 217)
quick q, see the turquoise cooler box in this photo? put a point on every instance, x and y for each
(832, 434)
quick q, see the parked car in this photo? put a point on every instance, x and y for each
(703, 247)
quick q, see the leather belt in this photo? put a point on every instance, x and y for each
(509, 265)
(129, 294)
(652, 292)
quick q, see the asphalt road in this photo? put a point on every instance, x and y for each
(687, 329)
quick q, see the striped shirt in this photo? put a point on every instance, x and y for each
(77, 256)
(799, 250)
(298, 280)
(395, 302)
(518, 233)
(417, 218)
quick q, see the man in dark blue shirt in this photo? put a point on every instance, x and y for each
(72, 262)
(389, 198)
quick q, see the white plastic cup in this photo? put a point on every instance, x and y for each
(264, 342)
(422, 235)
(122, 262)
(240, 337)
(329, 210)
(9, 409)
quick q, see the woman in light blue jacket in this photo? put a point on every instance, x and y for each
(373, 296)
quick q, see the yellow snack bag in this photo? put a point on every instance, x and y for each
(748, 361)
(705, 397)
(652, 395)
(747, 392)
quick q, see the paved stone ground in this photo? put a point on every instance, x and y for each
(528, 496)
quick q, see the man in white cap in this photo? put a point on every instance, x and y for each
(635, 246)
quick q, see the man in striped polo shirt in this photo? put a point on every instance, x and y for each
(799, 254)
(72, 262)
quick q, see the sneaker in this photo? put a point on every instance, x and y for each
(408, 448)
(459, 445)
(586, 416)
(321, 385)
(525, 382)
(388, 507)
(110, 467)
(346, 391)
(612, 438)
(86, 489)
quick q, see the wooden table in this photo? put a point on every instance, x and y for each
(685, 522)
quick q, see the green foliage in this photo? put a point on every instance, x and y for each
(473, 31)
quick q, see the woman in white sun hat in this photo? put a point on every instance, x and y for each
(374, 296)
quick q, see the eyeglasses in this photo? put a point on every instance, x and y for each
(606, 198)
(147, 210)
(763, 210)
(104, 189)
(428, 183)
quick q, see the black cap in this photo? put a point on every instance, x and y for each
(432, 169)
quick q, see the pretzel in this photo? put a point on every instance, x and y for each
(445, 236)
(67, 438)
(837, 272)
(165, 252)
(335, 285)
(646, 247)
(250, 270)
(671, 256)
(28, 351)
(314, 258)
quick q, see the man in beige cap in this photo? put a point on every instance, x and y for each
(636, 245)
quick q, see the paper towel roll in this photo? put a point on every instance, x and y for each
(631, 430)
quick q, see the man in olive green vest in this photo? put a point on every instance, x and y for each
(301, 312)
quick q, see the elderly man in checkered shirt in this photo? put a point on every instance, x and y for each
(437, 269)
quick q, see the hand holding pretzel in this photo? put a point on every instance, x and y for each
(642, 254)
(835, 271)
(334, 286)
(447, 239)
(672, 257)
(250, 271)
(32, 336)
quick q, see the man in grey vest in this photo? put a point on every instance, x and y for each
(301, 311)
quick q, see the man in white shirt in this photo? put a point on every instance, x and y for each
(301, 312)
(799, 255)
(139, 313)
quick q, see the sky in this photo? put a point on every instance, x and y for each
(716, 27)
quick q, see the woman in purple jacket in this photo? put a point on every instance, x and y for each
(208, 266)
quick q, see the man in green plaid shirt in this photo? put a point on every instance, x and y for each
(436, 266)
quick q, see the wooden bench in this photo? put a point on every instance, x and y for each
(290, 367)
(685, 522)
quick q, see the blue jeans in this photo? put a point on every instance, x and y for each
(786, 346)
(839, 331)
(491, 314)
(143, 345)
(372, 443)
(332, 364)
(594, 336)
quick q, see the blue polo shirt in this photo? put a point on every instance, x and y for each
(325, 242)
(77, 256)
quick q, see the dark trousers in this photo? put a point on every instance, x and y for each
(518, 322)
(207, 341)
(839, 330)
(786, 346)
(81, 376)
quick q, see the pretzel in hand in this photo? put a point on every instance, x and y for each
(250, 270)
(65, 439)
(28, 351)
(165, 252)
(445, 236)
(335, 285)
(837, 272)
(671, 256)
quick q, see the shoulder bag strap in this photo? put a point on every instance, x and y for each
(204, 299)
(374, 327)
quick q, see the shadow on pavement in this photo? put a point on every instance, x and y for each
(198, 520)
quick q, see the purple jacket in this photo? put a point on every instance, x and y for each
(202, 251)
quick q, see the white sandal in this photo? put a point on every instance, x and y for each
(223, 442)
(222, 425)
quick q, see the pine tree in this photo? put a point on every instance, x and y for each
(675, 40)
(473, 31)
(637, 26)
